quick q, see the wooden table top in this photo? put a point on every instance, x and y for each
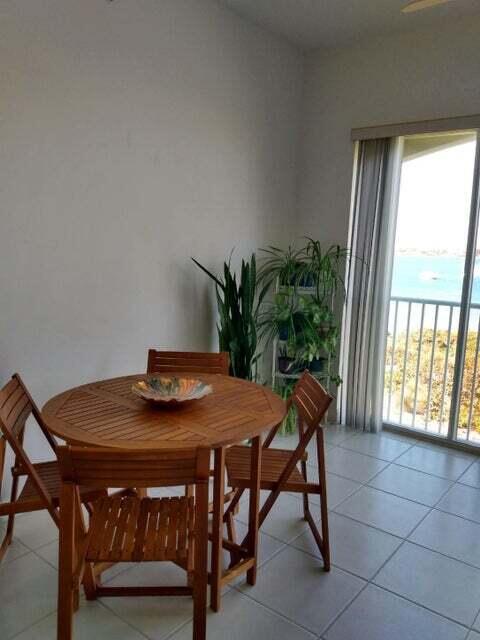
(108, 414)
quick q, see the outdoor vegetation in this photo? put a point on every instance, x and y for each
(432, 401)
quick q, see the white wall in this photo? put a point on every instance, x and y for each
(416, 76)
(133, 135)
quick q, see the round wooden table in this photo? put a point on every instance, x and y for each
(107, 413)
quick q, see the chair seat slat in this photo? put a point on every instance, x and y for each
(140, 529)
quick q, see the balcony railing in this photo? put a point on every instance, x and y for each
(420, 364)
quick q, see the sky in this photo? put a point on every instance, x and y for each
(434, 205)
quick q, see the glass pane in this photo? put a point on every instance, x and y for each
(428, 266)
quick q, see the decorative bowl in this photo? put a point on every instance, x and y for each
(165, 390)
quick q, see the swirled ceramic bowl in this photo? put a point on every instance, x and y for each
(171, 391)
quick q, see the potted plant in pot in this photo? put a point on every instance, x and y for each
(287, 357)
(324, 270)
(238, 305)
(285, 320)
(280, 318)
(288, 267)
(310, 349)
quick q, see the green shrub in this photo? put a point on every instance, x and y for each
(420, 356)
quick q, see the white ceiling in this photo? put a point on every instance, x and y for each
(314, 24)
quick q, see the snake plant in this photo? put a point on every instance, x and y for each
(238, 307)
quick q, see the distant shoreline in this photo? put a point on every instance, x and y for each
(441, 253)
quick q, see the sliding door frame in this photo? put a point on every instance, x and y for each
(440, 125)
(466, 299)
(451, 437)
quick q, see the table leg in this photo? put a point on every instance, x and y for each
(217, 528)
(254, 506)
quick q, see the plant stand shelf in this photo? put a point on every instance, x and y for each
(278, 377)
(297, 376)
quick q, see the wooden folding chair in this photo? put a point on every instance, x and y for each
(131, 528)
(187, 362)
(42, 486)
(192, 362)
(280, 471)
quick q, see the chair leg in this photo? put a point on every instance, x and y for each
(217, 529)
(7, 539)
(10, 525)
(234, 506)
(254, 506)
(200, 604)
(3, 449)
(325, 533)
(190, 569)
(322, 478)
(228, 518)
(303, 467)
(306, 506)
(90, 582)
(13, 496)
(232, 536)
(11, 517)
(66, 607)
(189, 493)
(200, 567)
(200, 609)
(66, 590)
(76, 599)
(231, 529)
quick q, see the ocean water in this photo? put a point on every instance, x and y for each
(432, 277)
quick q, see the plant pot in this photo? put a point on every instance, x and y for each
(291, 279)
(288, 281)
(326, 331)
(318, 365)
(285, 364)
(307, 281)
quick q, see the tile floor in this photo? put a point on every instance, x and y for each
(405, 532)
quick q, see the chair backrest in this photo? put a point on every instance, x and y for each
(117, 468)
(16, 405)
(311, 401)
(187, 361)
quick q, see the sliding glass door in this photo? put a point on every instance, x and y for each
(432, 368)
